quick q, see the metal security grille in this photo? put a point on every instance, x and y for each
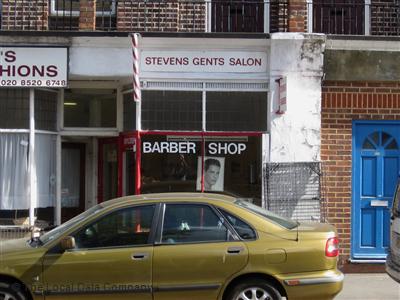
(293, 190)
(14, 232)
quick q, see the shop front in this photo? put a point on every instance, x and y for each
(172, 152)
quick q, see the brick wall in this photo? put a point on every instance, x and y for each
(385, 17)
(343, 102)
(87, 15)
(24, 15)
(168, 16)
(297, 10)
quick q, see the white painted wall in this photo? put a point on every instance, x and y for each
(295, 135)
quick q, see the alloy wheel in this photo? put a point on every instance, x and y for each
(254, 293)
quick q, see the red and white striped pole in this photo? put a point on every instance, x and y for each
(137, 95)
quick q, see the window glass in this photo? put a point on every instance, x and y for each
(169, 163)
(287, 223)
(90, 108)
(191, 223)
(46, 110)
(129, 113)
(243, 229)
(171, 110)
(14, 108)
(236, 111)
(232, 166)
(125, 227)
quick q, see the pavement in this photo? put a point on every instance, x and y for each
(369, 286)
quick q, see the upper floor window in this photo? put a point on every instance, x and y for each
(72, 7)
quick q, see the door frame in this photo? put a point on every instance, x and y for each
(355, 177)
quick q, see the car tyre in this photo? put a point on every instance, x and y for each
(12, 291)
(255, 289)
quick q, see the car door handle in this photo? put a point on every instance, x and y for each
(139, 256)
(235, 250)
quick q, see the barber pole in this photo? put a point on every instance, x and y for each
(136, 81)
(282, 95)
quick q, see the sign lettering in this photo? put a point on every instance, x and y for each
(29, 67)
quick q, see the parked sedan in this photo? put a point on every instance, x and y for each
(174, 246)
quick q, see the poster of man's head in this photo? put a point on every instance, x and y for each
(214, 168)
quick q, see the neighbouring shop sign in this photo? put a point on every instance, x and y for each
(212, 148)
(202, 61)
(33, 67)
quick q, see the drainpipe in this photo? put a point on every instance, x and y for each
(32, 168)
(267, 13)
(367, 17)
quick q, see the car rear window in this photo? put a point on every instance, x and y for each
(284, 222)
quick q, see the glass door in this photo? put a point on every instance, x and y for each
(108, 169)
(72, 180)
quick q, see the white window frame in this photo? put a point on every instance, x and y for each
(74, 13)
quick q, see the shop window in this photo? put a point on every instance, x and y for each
(45, 161)
(191, 223)
(14, 175)
(236, 111)
(46, 110)
(129, 113)
(171, 110)
(90, 108)
(14, 108)
(169, 170)
(174, 163)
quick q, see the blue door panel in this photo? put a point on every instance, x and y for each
(375, 163)
(390, 176)
(368, 228)
(368, 176)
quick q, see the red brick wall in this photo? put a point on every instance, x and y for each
(87, 15)
(168, 16)
(297, 10)
(343, 102)
(25, 15)
(385, 17)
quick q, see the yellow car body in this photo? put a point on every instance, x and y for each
(129, 248)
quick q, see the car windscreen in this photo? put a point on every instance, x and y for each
(56, 232)
(284, 222)
(396, 203)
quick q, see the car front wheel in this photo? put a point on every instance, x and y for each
(254, 289)
(11, 291)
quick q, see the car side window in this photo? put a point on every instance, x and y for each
(191, 223)
(125, 227)
(243, 229)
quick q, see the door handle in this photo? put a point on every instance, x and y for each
(139, 256)
(235, 250)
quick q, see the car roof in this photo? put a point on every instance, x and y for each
(168, 197)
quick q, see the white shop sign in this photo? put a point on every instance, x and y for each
(204, 61)
(30, 67)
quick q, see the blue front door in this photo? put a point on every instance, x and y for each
(375, 170)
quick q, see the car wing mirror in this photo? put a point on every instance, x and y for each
(67, 243)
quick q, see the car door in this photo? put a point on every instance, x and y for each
(112, 259)
(196, 253)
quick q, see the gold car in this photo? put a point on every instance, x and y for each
(174, 246)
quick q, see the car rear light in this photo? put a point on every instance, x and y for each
(332, 247)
